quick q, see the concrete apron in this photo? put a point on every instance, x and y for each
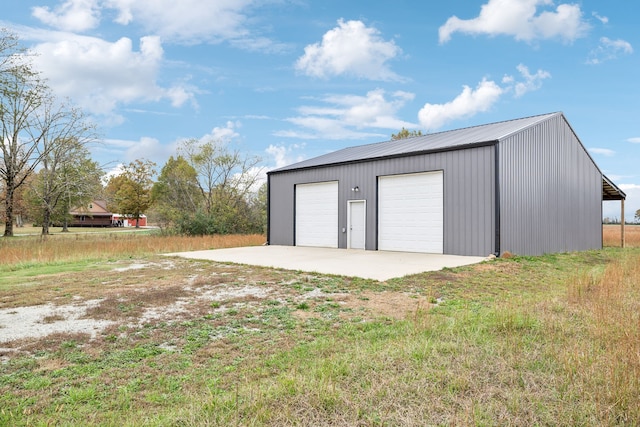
(377, 265)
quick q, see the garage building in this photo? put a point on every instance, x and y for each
(527, 186)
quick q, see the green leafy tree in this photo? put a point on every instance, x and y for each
(222, 173)
(226, 180)
(258, 206)
(82, 183)
(76, 181)
(130, 192)
(637, 217)
(176, 193)
(405, 133)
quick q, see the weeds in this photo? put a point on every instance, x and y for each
(610, 363)
(31, 251)
(551, 340)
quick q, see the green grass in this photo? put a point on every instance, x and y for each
(549, 340)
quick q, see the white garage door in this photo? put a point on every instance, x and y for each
(317, 214)
(410, 212)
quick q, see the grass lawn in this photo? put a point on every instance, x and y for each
(551, 340)
(32, 231)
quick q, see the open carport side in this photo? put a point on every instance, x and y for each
(377, 265)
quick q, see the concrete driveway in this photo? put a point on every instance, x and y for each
(378, 265)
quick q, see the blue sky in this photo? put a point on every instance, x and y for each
(288, 80)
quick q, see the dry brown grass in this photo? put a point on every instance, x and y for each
(607, 360)
(611, 235)
(33, 249)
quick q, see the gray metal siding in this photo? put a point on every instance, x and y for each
(469, 225)
(550, 192)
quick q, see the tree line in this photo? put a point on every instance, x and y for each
(207, 188)
(46, 169)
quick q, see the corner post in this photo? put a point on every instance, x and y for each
(622, 223)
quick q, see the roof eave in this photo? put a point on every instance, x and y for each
(610, 191)
(392, 156)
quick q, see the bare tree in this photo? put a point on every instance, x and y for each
(62, 151)
(221, 172)
(22, 94)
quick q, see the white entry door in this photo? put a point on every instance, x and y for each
(356, 224)
(410, 212)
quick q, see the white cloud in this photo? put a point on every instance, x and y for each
(71, 15)
(284, 155)
(223, 134)
(324, 128)
(157, 151)
(631, 204)
(344, 116)
(615, 178)
(634, 140)
(602, 151)
(602, 19)
(633, 194)
(99, 75)
(520, 19)
(260, 174)
(151, 149)
(468, 103)
(531, 81)
(113, 172)
(352, 49)
(301, 135)
(193, 21)
(609, 49)
(144, 148)
(184, 21)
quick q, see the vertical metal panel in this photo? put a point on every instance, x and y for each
(469, 227)
(281, 210)
(550, 191)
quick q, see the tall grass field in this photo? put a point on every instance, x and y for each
(101, 244)
(611, 235)
(548, 340)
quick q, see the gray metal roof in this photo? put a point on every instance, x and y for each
(441, 141)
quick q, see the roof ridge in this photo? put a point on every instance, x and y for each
(445, 140)
(494, 123)
(455, 130)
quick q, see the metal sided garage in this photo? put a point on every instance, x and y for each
(527, 186)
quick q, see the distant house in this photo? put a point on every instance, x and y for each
(96, 214)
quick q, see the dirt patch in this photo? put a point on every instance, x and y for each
(388, 304)
(395, 305)
(42, 320)
(138, 297)
(503, 267)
